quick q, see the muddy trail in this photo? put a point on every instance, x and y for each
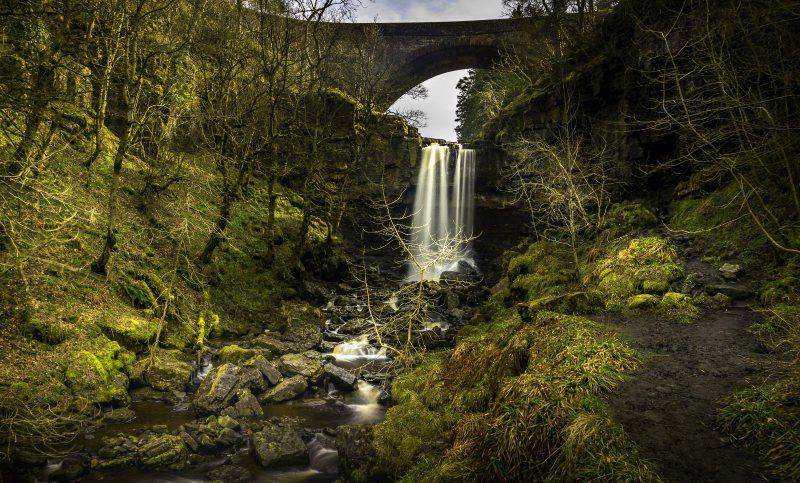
(668, 407)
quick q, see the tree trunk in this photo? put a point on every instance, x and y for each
(270, 232)
(99, 119)
(219, 228)
(41, 90)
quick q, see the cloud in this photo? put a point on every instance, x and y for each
(429, 11)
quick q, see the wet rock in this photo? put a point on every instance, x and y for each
(340, 378)
(229, 474)
(164, 451)
(730, 271)
(735, 292)
(189, 441)
(450, 300)
(451, 277)
(303, 365)
(246, 406)
(288, 389)
(251, 378)
(300, 326)
(233, 354)
(167, 371)
(272, 344)
(270, 373)
(217, 390)
(278, 446)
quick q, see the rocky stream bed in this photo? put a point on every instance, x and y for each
(273, 406)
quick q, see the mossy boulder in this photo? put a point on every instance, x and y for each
(303, 365)
(278, 445)
(233, 354)
(642, 302)
(178, 335)
(219, 389)
(100, 376)
(285, 390)
(655, 286)
(166, 370)
(645, 265)
(540, 272)
(571, 303)
(135, 334)
(297, 328)
(678, 306)
(164, 451)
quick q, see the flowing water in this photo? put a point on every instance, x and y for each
(443, 219)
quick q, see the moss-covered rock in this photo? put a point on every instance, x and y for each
(100, 376)
(166, 370)
(678, 306)
(540, 272)
(233, 354)
(645, 265)
(164, 451)
(642, 302)
(135, 334)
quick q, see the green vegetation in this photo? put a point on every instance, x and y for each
(517, 400)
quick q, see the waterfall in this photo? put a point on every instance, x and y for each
(443, 219)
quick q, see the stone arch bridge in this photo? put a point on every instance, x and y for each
(410, 53)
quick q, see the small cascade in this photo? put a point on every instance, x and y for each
(443, 218)
(364, 402)
(359, 353)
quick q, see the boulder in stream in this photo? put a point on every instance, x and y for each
(229, 474)
(246, 406)
(164, 451)
(303, 365)
(278, 446)
(288, 389)
(217, 391)
(340, 378)
(166, 371)
(270, 373)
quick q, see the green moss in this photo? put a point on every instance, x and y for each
(626, 218)
(234, 354)
(641, 302)
(136, 334)
(139, 295)
(100, 376)
(645, 265)
(514, 401)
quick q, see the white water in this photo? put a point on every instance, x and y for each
(443, 219)
(358, 353)
(364, 402)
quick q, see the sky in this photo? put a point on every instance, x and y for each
(440, 105)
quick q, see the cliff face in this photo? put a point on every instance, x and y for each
(609, 93)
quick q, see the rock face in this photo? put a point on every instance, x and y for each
(234, 354)
(217, 391)
(278, 446)
(301, 364)
(288, 389)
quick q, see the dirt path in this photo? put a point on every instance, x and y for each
(668, 408)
